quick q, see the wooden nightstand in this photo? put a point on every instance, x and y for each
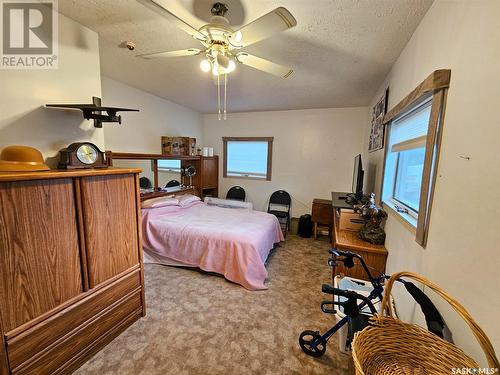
(322, 215)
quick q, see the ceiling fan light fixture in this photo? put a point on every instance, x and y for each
(205, 65)
(222, 44)
(238, 36)
(223, 61)
(231, 66)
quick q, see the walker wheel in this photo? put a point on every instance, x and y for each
(307, 338)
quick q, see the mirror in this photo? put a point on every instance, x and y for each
(145, 165)
(189, 171)
(168, 170)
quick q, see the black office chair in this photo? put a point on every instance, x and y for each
(279, 205)
(236, 193)
(145, 183)
(172, 183)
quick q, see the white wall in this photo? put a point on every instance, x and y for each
(462, 253)
(23, 120)
(313, 151)
(142, 131)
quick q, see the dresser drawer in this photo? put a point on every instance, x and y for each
(62, 325)
(94, 334)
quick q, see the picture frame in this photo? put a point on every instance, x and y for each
(377, 132)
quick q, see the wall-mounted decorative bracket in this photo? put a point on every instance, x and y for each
(94, 111)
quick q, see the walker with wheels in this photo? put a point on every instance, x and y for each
(355, 305)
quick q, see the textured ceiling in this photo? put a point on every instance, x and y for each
(340, 50)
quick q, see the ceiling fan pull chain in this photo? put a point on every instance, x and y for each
(225, 96)
(218, 95)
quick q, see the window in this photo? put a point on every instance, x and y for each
(405, 160)
(412, 152)
(248, 157)
(173, 165)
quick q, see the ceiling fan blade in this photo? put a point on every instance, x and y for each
(159, 9)
(264, 65)
(271, 23)
(178, 53)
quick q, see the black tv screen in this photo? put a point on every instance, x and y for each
(357, 177)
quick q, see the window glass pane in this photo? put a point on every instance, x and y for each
(409, 177)
(247, 158)
(169, 164)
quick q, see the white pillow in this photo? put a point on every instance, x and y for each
(228, 203)
(191, 204)
(160, 202)
(186, 199)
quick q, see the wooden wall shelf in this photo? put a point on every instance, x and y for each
(95, 111)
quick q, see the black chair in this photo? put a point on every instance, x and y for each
(279, 205)
(172, 183)
(236, 193)
(145, 183)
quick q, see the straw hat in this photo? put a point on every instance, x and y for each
(21, 159)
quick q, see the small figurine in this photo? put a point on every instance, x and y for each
(374, 216)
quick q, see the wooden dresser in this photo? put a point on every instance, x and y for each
(375, 256)
(71, 274)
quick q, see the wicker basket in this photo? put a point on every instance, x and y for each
(390, 346)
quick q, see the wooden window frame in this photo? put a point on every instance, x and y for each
(410, 216)
(435, 85)
(269, 141)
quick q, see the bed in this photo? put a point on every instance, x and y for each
(233, 242)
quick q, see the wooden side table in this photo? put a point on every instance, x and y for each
(375, 256)
(322, 215)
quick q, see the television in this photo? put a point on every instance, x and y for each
(357, 179)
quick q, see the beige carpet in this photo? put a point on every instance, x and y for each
(198, 323)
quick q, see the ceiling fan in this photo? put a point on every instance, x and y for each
(222, 44)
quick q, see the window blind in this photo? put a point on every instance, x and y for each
(409, 131)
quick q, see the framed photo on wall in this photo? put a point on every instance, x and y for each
(377, 132)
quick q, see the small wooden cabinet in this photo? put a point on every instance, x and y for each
(71, 275)
(375, 256)
(210, 175)
(206, 180)
(322, 215)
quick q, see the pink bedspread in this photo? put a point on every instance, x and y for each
(232, 242)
